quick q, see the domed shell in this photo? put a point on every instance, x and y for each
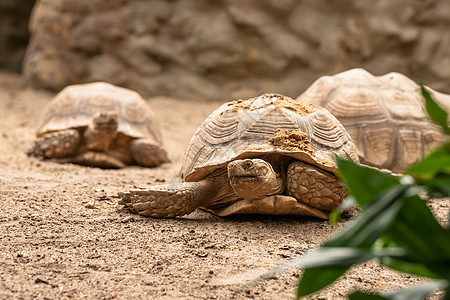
(268, 124)
(384, 115)
(75, 106)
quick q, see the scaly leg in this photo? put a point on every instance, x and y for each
(147, 153)
(170, 200)
(56, 144)
(314, 187)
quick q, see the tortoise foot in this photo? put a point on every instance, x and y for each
(56, 144)
(147, 153)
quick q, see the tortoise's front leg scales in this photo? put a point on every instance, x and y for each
(314, 187)
(153, 202)
(56, 144)
(167, 201)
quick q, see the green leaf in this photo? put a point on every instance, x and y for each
(362, 233)
(358, 295)
(417, 292)
(436, 113)
(364, 183)
(335, 214)
(332, 257)
(438, 161)
(326, 264)
(407, 265)
(417, 231)
(315, 279)
(342, 257)
(438, 187)
(322, 257)
(372, 222)
(338, 257)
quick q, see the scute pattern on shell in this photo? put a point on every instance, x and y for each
(384, 115)
(243, 129)
(75, 105)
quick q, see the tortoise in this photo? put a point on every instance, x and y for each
(384, 115)
(99, 124)
(267, 155)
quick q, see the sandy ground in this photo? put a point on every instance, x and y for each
(63, 236)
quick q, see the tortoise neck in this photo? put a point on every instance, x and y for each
(219, 187)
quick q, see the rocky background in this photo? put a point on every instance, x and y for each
(226, 49)
(14, 35)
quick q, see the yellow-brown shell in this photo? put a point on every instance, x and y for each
(75, 106)
(247, 128)
(384, 115)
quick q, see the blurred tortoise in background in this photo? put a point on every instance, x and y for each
(384, 115)
(101, 125)
(268, 155)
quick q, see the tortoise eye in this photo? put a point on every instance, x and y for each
(248, 163)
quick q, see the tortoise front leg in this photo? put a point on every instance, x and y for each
(170, 200)
(314, 186)
(56, 144)
(148, 154)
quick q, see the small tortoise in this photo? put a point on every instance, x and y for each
(101, 125)
(268, 155)
(384, 115)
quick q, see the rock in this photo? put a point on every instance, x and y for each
(234, 49)
(14, 17)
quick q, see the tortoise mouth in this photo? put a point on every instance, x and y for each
(244, 178)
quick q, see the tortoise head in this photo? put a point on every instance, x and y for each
(101, 131)
(254, 178)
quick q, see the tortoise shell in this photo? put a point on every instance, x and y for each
(384, 115)
(75, 106)
(267, 124)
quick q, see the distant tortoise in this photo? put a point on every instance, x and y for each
(99, 124)
(267, 155)
(384, 115)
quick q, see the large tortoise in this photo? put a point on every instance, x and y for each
(99, 124)
(269, 155)
(384, 115)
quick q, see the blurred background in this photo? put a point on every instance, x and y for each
(222, 49)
